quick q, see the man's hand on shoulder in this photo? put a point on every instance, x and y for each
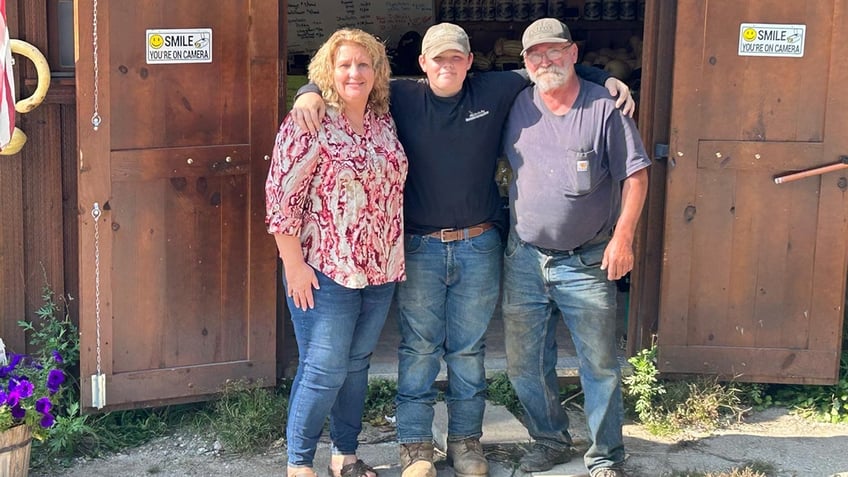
(619, 90)
(308, 111)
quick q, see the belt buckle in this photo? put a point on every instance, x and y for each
(442, 234)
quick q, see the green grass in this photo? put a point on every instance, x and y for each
(248, 417)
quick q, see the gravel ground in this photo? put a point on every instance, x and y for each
(792, 446)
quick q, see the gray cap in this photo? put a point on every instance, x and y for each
(444, 37)
(545, 30)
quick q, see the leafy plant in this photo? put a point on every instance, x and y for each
(53, 331)
(380, 401)
(500, 392)
(642, 387)
(668, 407)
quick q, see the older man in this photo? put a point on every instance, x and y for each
(580, 184)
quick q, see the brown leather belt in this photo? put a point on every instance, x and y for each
(451, 235)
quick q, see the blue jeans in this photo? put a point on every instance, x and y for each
(536, 284)
(445, 306)
(334, 341)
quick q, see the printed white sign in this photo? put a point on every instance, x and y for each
(179, 46)
(764, 39)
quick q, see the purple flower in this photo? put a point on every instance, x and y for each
(14, 360)
(54, 380)
(21, 386)
(57, 357)
(47, 420)
(18, 412)
(13, 398)
(43, 405)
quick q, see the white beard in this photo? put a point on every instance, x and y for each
(549, 78)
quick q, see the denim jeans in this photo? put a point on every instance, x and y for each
(334, 341)
(445, 306)
(537, 284)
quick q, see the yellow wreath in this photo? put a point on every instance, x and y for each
(42, 68)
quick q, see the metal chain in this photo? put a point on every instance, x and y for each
(95, 213)
(95, 118)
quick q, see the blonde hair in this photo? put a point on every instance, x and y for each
(323, 63)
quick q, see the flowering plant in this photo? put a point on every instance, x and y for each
(29, 388)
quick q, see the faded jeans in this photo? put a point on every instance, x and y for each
(335, 341)
(445, 306)
(536, 284)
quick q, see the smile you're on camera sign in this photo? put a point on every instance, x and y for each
(764, 39)
(179, 46)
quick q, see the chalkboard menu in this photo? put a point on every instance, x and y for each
(310, 22)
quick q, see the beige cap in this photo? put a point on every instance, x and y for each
(545, 30)
(444, 37)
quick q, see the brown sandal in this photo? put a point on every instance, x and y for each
(356, 469)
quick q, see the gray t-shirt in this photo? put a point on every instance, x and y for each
(568, 169)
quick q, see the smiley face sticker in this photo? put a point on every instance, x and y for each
(156, 41)
(749, 34)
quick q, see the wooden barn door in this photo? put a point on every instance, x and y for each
(753, 282)
(177, 274)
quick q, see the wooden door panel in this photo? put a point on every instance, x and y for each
(190, 105)
(754, 272)
(759, 98)
(177, 239)
(187, 293)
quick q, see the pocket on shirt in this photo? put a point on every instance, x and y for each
(582, 172)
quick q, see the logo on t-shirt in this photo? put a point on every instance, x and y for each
(477, 115)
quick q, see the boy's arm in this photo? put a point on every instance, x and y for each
(308, 109)
(617, 88)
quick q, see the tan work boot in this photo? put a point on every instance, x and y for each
(467, 458)
(416, 460)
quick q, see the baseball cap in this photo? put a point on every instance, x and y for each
(545, 30)
(443, 37)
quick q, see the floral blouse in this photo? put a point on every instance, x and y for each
(342, 194)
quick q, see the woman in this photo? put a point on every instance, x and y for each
(334, 204)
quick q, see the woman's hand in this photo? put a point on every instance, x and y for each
(300, 277)
(300, 280)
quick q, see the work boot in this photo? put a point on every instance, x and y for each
(542, 458)
(416, 460)
(466, 457)
(608, 472)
